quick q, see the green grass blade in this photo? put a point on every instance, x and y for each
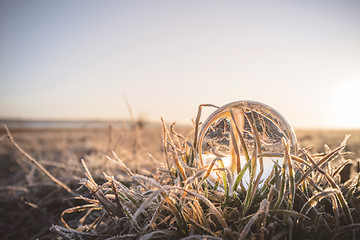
(240, 175)
(292, 186)
(282, 186)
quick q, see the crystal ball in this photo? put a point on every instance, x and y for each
(233, 131)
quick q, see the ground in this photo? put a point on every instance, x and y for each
(32, 203)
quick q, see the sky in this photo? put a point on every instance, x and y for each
(86, 59)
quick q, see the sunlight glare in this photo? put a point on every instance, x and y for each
(345, 101)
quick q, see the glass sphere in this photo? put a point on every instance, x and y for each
(231, 133)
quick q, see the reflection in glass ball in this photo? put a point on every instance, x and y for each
(234, 130)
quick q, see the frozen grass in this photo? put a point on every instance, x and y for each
(302, 199)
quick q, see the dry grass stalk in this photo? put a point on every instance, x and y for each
(37, 164)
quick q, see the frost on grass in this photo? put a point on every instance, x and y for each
(301, 199)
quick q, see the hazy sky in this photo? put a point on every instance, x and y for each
(81, 59)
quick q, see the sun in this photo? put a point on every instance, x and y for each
(346, 104)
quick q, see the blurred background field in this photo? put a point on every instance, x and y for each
(32, 202)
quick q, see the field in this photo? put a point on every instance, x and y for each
(31, 203)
